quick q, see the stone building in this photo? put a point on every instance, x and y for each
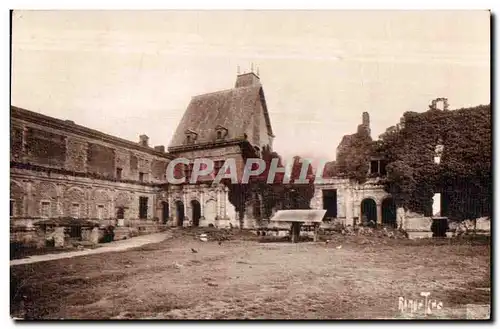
(62, 170)
(232, 123)
(349, 202)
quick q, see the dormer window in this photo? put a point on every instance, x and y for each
(190, 137)
(221, 132)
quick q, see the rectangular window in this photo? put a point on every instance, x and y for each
(120, 213)
(383, 165)
(45, 209)
(330, 203)
(100, 211)
(374, 167)
(143, 207)
(119, 173)
(75, 232)
(75, 210)
(141, 177)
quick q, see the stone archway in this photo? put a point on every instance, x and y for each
(368, 210)
(179, 212)
(165, 212)
(389, 212)
(196, 212)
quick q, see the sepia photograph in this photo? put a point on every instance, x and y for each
(250, 165)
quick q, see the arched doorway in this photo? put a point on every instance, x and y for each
(180, 212)
(196, 212)
(368, 210)
(165, 212)
(389, 212)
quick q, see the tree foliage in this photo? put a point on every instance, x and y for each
(464, 173)
(353, 160)
(278, 194)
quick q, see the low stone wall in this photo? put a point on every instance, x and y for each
(417, 224)
(30, 233)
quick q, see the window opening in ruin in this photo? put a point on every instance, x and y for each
(374, 167)
(100, 211)
(141, 177)
(75, 232)
(120, 213)
(143, 207)
(119, 173)
(75, 210)
(45, 209)
(330, 203)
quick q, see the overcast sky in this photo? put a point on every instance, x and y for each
(129, 73)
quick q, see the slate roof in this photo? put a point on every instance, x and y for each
(234, 109)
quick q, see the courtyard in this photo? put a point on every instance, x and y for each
(242, 276)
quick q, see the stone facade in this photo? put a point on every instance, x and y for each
(60, 169)
(350, 197)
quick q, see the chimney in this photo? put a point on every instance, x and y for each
(366, 119)
(247, 80)
(160, 148)
(143, 140)
(365, 124)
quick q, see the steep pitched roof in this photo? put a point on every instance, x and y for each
(233, 109)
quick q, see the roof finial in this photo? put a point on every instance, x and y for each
(257, 71)
(238, 70)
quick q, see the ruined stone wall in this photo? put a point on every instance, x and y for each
(349, 197)
(69, 196)
(50, 144)
(214, 202)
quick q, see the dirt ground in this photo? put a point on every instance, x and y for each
(245, 278)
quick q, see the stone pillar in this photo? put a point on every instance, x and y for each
(59, 237)
(349, 205)
(224, 201)
(400, 217)
(218, 202)
(379, 214)
(202, 202)
(94, 235)
(184, 201)
(316, 232)
(90, 204)
(170, 213)
(28, 209)
(113, 207)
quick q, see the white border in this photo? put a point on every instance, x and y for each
(192, 4)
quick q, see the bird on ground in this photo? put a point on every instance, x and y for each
(194, 251)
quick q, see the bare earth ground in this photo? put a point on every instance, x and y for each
(246, 279)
